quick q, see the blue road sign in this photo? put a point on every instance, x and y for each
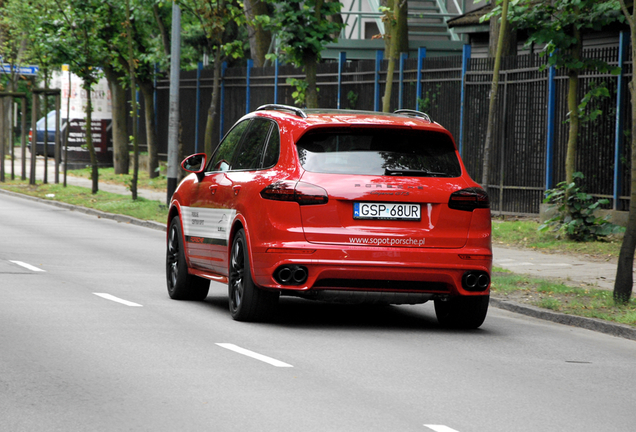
(21, 70)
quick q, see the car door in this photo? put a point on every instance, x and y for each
(248, 175)
(207, 219)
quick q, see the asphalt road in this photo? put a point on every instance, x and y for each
(90, 341)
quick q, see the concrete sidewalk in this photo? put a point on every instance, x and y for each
(571, 269)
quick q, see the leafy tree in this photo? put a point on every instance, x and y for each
(25, 38)
(624, 272)
(303, 29)
(558, 24)
(214, 30)
(148, 49)
(76, 38)
(260, 38)
(493, 94)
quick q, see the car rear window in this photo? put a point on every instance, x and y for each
(395, 152)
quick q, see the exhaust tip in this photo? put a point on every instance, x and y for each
(300, 275)
(483, 281)
(475, 281)
(291, 275)
(284, 275)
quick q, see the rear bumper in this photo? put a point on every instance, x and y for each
(375, 269)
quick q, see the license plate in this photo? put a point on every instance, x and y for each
(386, 211)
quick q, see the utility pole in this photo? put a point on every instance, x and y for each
(173, 125)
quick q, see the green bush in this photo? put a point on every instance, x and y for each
(575, 212)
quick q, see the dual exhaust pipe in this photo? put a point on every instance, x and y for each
(475, 281)
(291, 275)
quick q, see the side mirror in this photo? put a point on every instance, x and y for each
(194, 163)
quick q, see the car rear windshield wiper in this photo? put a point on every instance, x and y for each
(415, 173)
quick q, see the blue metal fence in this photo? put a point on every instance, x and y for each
(530, 136)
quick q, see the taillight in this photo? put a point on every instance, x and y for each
(469, 199)
(302, 193)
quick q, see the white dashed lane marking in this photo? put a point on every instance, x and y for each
(440, 428)
(27, 266)
(117, 299)
(254, 355)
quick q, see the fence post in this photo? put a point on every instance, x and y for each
(462, 97)
(421, 55)
(23, 136)
(342, 59)
(403, 57)
(379, 55)
(222, 102)
(620, 118)
(35, 102)
(198, 108)
(549, 160)
(250, 64)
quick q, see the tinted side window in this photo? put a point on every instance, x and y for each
(270, 158)
(223, 156)
(249, 156)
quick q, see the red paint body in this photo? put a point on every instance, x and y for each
(426, 256)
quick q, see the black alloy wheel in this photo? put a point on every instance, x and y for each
(181, 284)
(247, 302)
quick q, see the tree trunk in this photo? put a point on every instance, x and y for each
(146, 88)
(260, 39)
(388, 28)
(310, 62)
(485, 172)
(133, 103)
(624, 272)
(398, 38)
(209, 124)
(401, 31)
(121, 158)
(89, 134)
(165, 37)
(509, 47)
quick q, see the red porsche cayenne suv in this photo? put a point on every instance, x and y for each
(343, 206)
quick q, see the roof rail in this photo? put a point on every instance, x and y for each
(414, 114)
(299, 112)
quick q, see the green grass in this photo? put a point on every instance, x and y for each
(107, 175)
(548, 294)
(108, 202)
(525, 234)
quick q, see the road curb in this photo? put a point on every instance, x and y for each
(89, 211)
(597, 325)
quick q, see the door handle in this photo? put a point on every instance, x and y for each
(213, 189)
(236, 190)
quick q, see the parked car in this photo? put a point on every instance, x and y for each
(332, 205)
(50, 127)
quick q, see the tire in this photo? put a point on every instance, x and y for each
(462, 312)
(181, 284)
(247, 302)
